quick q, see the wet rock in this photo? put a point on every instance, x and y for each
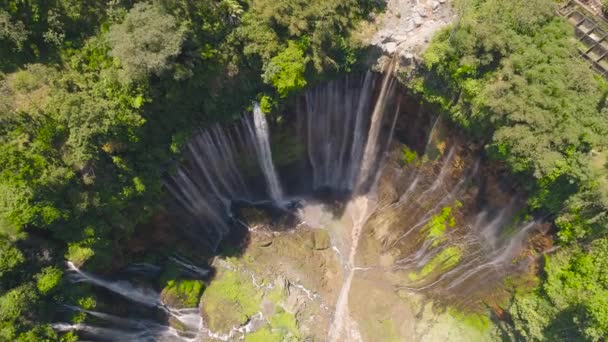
(390, 48)
(177, 325)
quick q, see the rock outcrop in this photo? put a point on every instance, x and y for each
(407, 26)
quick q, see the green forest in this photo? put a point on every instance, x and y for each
(98, 99)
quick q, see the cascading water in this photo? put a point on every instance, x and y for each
(344, 128)
(265, 156)
(217, 173)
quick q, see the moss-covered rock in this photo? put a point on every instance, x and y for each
(282, 327)
(264, 335)
(229, 301)
(182, 293)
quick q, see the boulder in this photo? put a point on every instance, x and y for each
(229, 301)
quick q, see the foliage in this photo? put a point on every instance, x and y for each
(15, 303)
(48, 279)
(409, 155)
(146, 41)
(10, 258)
(285, 71)
(293, 40)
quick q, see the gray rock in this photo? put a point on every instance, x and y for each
(406, 58)
(390, 48)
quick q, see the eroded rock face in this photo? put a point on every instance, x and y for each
(407, 26)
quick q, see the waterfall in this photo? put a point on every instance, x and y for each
(363, 205)
(340, 127)
(343, 130)
(143, 296)
(134, 329)
(370, 154)
(190, 267)
(221, 163)
(340, 123)
(265, 156)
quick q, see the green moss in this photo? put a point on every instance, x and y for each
(182, 293)
(283, 327)
(276, 296)
(264, 335)
(409, 155)
(438, 224)
(285, 323)
(230, 300)
(474, 320)
(444, 261)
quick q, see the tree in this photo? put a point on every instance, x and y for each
(48, 279)
(12, 31)
(285, 71)
(10, 257)
(16, 302)
(147, 41)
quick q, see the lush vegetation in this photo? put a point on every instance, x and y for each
(507, 71)
(97, 99)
